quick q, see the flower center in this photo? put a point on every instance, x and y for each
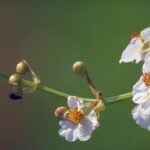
(136, 35)
(146, 79)
(74, 116)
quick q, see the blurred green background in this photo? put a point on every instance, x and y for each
(51, 35)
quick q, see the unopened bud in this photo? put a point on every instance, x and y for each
(79, 67)
(59, 112)
(22, 67)
(15, 79)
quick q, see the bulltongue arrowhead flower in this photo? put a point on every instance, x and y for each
(79, 120)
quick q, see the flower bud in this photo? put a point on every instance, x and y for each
(59, 112)
(15, 79)
(22, 67)
(79, 67)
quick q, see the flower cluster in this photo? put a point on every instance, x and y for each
(79, 119)
(139, 50)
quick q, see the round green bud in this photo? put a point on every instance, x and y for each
(15, 79)
(59, 112)
(22, 67)
(79, 67)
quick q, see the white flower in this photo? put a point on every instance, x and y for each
(141, 96)
(137, 47)
(141, 90)
(141, 114)
(79, 121)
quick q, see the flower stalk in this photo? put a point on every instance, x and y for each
(46, 89)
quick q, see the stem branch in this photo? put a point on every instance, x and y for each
(46, 89)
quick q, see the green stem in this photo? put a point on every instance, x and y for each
(46, 89)
(118, 98)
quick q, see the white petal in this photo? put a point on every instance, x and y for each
(84, 138)
(87, 108)
(140, 86)
(141, 114)
(132, 51)
(86, 129)
(66, 124)
(140, 91)
(146, 66)
(94, 119)
(67, 131)
(70, 136)
(147, 58)
(75, 102)
(146, 33)
(140, 98)
(76, 133)
(67, 134)
(72, 102)
(62, 132)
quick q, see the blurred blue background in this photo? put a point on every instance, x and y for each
(51, 35)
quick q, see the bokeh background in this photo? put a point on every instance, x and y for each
(51, 35)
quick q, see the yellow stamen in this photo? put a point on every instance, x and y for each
(146, 79)
(74, 116)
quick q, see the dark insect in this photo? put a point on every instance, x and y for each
(16, 94)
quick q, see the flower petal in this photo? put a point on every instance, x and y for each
(147, 58)
(87, 108)
(86, 129)
(146, 66)
(68, 131)
(141, 114)
(132, 51)
(67, 134)
(66, 124)
(140, 92)
(94, 119)
(146, 33)
(140, 86)
(76, 133)
(140, 98)
(62, 132)
(74, 102)
(70, 136)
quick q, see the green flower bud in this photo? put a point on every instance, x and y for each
(79, 67)
(15, 79)
(22, 67)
